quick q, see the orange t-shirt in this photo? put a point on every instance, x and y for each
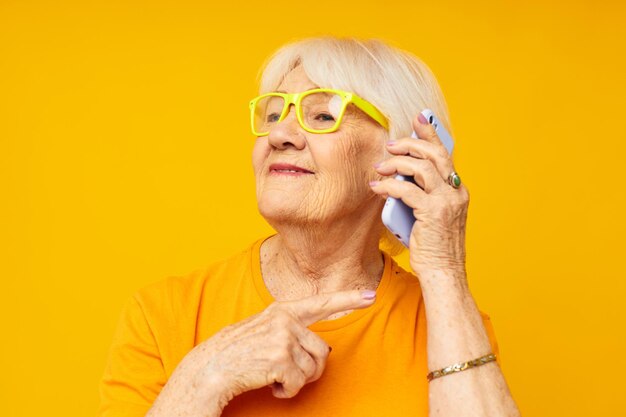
(377, 367)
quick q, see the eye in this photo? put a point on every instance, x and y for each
(325, 117)
(272, 118)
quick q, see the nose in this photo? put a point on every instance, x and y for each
(287, 133)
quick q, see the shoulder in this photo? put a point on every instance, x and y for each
(172, 287)
(180, 292)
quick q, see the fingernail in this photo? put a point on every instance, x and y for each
(368, 294)
(391, 143)
(378, 164)
(374, 183)
(422, 119)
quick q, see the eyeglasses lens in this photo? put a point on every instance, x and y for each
(319, 111)
(267, 112)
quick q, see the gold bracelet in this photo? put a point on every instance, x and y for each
(458, 367)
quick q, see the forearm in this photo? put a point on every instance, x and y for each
(181, 398)
(456, 333)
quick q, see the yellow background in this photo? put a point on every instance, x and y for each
(125, 157)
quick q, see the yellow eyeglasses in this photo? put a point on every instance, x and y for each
(318, 111)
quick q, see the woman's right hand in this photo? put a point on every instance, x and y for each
(273, 347)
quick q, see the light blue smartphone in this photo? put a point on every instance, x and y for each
(397, 216)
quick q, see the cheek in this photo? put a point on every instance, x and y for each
(259, 154)
(360, 153)
(349, 163)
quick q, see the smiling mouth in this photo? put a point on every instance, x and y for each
(291, 170)
(288, 169)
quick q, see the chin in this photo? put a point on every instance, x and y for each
(291, 209)
(281, 206)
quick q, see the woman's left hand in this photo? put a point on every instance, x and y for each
(437, 241)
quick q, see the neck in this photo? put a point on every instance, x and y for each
(302, 259)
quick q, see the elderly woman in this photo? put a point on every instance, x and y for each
(316, 319)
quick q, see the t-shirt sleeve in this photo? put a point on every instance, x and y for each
(134, 373)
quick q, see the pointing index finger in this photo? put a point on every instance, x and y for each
(318, 307)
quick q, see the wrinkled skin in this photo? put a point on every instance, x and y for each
(437, 241)
(341, 162)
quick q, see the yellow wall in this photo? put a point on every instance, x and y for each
(124, 158)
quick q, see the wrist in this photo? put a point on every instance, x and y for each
(448, 267)
(443, 283)
(217, 387)
(189, 395)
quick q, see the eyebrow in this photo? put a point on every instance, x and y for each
(284, 92)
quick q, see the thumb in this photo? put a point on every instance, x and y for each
(318, 307)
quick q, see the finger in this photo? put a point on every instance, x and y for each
(422, 170)
(316, 347)
(426, 131)
(318, 307)
(408, 192)
(305, 362)
(422, 149)
(290, 383)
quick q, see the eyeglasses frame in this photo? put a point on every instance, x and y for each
(296, 100)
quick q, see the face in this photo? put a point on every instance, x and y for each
(304, 177)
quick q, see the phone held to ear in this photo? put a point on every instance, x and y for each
(397, 216)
